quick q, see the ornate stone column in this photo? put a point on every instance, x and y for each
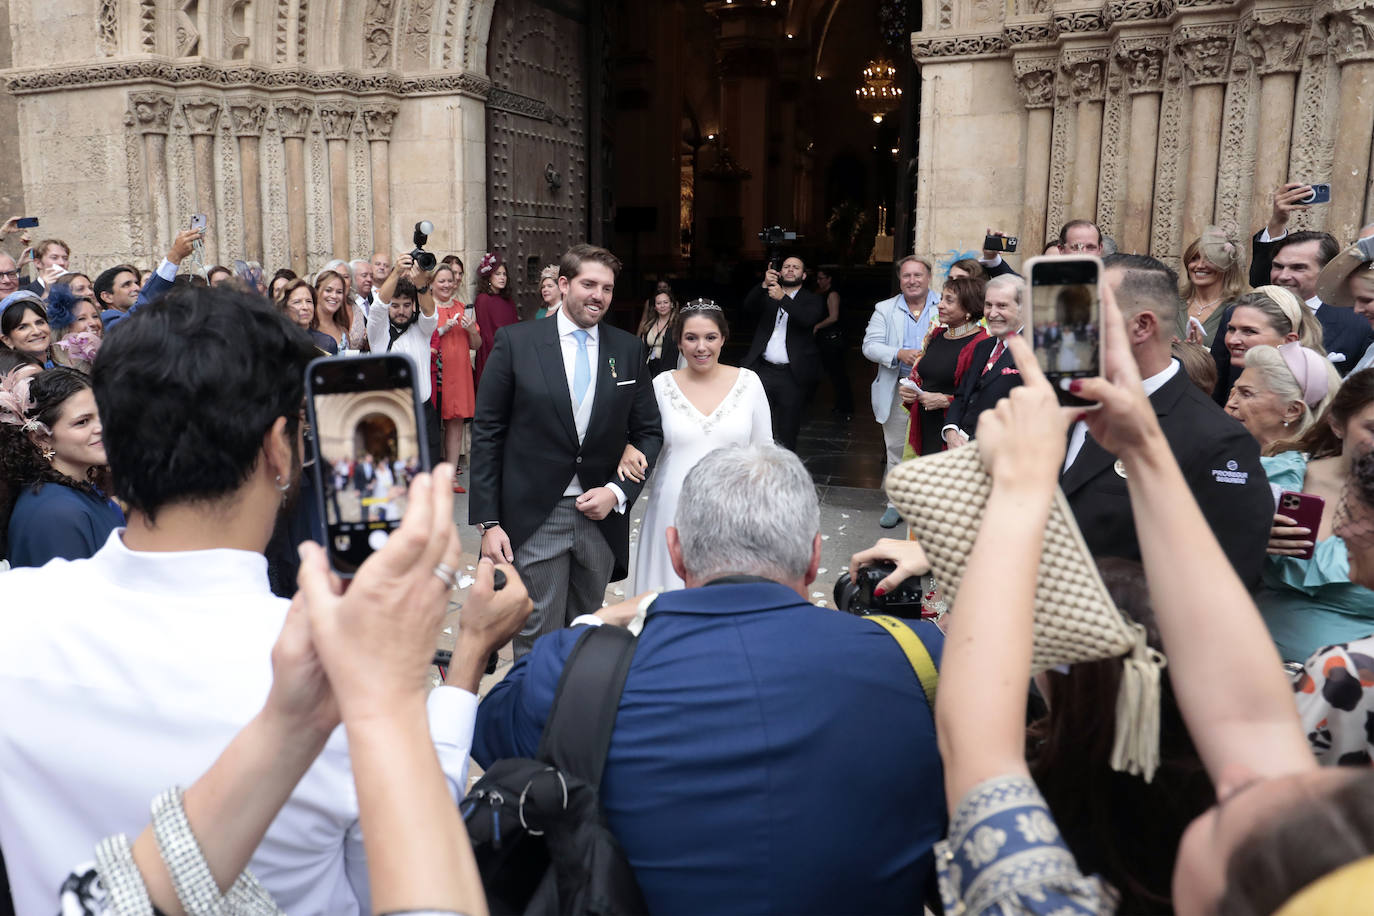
(1141, 61)
(1206, 54)
(338, 121)
(1275, 41)
(377, 120)
(294, 117)
(1350, 37)
(1086, 74)
(1035, 79)
(247, 117)
(151, 116)
(202, 119)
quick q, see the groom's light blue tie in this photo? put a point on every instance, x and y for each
(582, 369)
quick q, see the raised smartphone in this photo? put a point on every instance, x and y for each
(1065, 317)
(1321, 194)
(26, 222)
(999, 243)
(1306, 512)
(369, 442)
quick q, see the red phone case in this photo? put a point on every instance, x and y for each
(1306, 512)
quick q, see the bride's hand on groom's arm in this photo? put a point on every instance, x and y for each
(633, 465)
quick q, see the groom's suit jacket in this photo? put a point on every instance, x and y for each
(524, 439)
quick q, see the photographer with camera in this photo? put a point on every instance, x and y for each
(784, 353)
(402, 318)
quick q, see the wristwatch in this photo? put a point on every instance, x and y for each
(421, 289)
(487, 526)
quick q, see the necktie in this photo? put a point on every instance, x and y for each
(996, 355)
(582, 369)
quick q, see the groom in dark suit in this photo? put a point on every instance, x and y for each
(558, 402)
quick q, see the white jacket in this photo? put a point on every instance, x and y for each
(882, 340)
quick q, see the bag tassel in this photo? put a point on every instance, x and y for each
(1135, 749)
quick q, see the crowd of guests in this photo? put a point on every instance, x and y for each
(148, 464)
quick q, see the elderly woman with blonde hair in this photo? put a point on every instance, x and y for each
(549, 293)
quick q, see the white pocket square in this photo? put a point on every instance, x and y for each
(628, 381)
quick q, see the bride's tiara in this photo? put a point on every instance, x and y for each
(702, 305)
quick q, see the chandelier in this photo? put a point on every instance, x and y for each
(878, 96)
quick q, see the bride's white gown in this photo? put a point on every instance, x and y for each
(741, 419)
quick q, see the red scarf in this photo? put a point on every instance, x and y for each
(913, 436)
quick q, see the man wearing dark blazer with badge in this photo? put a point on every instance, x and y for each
(1218, 457)
(784, 352)
(559, 400)
(992, 372)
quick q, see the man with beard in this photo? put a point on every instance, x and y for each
(784, 352)
(163, 652)
(558, 403)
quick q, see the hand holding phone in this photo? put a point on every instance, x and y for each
(997, 241)
(367, 442)
(1064, 310)
(1296, 511)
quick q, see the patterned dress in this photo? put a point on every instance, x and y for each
(1005, 856)
(1335, 696)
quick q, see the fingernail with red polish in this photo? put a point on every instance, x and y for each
(1076, 385)
(879, 592)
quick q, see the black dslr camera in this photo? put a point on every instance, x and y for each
(772, 238)
(424, 259)
(855, 596)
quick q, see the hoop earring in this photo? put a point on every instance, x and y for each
(283, 487)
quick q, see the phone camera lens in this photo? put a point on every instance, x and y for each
(360, 376)
(404, 373)
(319, 380)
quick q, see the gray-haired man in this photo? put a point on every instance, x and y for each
(740, 694)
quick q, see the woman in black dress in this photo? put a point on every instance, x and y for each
(943, 362)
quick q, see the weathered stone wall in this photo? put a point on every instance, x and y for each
(1153, 117)
(306, 129)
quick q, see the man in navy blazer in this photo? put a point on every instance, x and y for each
(768, 755)
(992, 374)
(160, 281)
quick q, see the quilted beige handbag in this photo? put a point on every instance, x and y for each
(943, 497)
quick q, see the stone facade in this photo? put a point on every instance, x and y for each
(306, 129)
(1152, 117)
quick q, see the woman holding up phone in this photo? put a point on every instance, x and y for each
(1307, 597)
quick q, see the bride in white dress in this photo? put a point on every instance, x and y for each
(704, 406)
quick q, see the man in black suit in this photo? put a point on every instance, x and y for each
(784, 352)
(1218, 457)
(992, 372)
(1297, 259)
(558, 402)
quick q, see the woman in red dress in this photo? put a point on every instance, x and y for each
(457, 335)
(495, 306)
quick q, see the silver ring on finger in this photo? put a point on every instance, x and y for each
(444, 574)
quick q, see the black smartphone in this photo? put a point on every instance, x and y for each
(369, 443)
(1000, 243)
(1321, 194)
(26, 222)
(1306, 512)
(1065, 311)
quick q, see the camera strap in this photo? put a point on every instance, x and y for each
(916, 653)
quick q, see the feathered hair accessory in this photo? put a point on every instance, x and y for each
(549, 273)
(15, 402)
(83, 346)
(490, 261)
(701, 305)
(1220, 247)
(61, 307)
(952, 256)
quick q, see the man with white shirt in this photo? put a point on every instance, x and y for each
(1218, 457)
(894, 340)
(402, 319)
(784, 352)
(362, 282)
(129, 672)
(559, 400)
(159, 282)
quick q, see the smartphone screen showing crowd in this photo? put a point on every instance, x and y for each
(1066, 309)
(364, 414)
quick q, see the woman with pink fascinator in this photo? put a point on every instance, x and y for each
(495, 306)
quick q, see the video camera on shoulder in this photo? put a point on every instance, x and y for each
(424, 259)
(773, 238)
(855, 596)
